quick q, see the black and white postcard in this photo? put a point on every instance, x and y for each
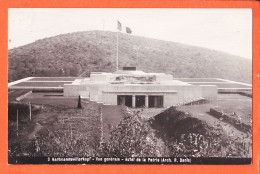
(129, 86)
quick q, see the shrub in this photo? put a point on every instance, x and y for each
(132, 137)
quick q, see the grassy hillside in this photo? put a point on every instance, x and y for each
(75, 53)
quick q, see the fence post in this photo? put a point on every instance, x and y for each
(30, 110)
(71, 132)
(17, 123)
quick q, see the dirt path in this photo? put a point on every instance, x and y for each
(148, 112)
(111, 117)
(31, 136)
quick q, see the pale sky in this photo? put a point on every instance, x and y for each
(227, 30)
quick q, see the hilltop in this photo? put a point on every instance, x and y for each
(74, 53)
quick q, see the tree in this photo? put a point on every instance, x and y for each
(79, 103)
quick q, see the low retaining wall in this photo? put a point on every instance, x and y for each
(37, 89)
(235, 122)
(197, 102)
(58, 90)
(235, 92)
(245, 94)
(23, 96)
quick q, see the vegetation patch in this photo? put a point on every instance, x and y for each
(232, 119)
(94, 51)
(185, 136)
(57, 131)
(133, 137)
(65, 131)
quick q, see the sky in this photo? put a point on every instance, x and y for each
(227, 30)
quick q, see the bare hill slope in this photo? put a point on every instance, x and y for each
(74, 53)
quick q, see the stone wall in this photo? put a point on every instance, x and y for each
(233, 121)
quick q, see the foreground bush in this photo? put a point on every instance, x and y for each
(132, 137)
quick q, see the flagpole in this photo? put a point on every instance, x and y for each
(117, 52)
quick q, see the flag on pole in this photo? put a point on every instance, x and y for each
(128, 30)
(119, 26)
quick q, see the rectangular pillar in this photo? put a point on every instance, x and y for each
(123, 101)
(146, 101)
(133, 101)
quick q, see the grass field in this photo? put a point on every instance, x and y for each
(228, 103)
(241, 105)
(60, 129)
(57, 129)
